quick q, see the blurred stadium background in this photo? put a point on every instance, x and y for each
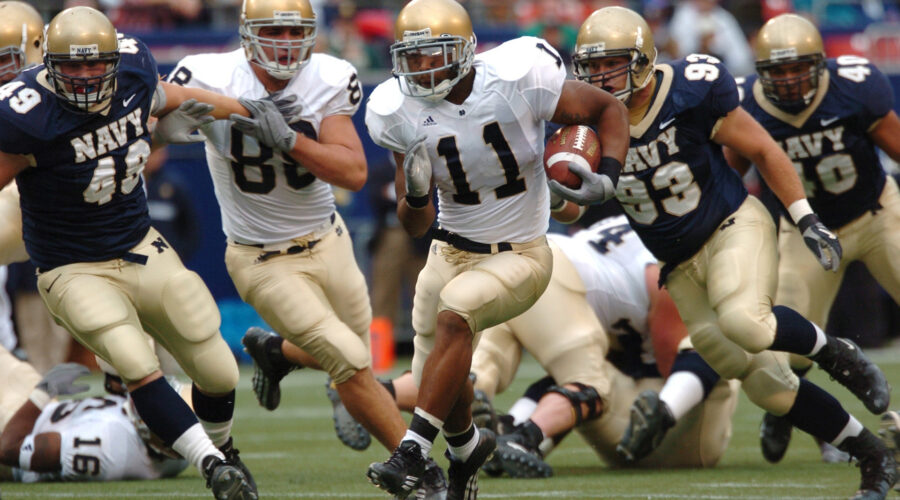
(182, 199)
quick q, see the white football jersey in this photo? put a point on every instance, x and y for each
(7, 332)
(98, 443)
(610, 259)
(264, 195)
(486, 153)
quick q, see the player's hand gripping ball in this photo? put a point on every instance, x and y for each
(571, 144)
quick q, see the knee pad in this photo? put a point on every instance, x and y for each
(190, 307)
(337, 348)
(771, 386)
(210, 364)
(752, 332)
(586, 395)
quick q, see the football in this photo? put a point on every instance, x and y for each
(571, 144)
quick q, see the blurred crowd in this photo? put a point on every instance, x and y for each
(361, 30)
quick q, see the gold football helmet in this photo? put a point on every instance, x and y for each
(616, 32)
(21, 38)
(789, 39)
(82, 34)
(440, 31)
(288, 54)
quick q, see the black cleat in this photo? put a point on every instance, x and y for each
(463, 476)
(269, 366)
(876, 462)
(402, 472)
(483, 414)
(650, 420)
(348, 430)
(434, 484)
(226, 480)
(890, 433)
(845, 362)
(233, 456)
(774, 437)
(520, 459)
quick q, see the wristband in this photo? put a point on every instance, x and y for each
(610, 167)
(25, 452)
(416, 201)
(40, 398)
(799, 209)
(559, 206)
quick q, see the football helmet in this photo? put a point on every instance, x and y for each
(789, 39)
(432, 28)
(21, 37)
(615, 32)
(82, 34)
(256, 14)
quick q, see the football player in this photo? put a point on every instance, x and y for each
(90, 439)
(289, 252)
(473, 127)
(18, 379)
(828, 115)
(21, 46)
(75, 137)
(716, 244)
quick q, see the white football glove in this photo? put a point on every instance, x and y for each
(178, 125)
(60, 380)
(417, 169)
(594, 187)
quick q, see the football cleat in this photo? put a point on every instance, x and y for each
(650, 419)
(890, 433)
(878, 469)
(774, 437)
(232, 456)
(483, 414)
(845, 362)
(402, 472)
(832, 455)
(519, 459)
(268, 367)
(434, 484)
(348, 430)
(462, 483)
(226, 480)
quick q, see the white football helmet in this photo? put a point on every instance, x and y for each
(256, 14)
(432, 28)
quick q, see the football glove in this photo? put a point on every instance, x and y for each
(267, 123)
(178, 125)
(417, 169)
(61, 380)
(821, 242)
(595, 188)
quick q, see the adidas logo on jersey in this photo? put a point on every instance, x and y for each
(429, 121)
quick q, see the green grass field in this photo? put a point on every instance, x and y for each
(293, 453)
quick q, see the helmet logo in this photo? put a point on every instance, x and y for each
(416, 35)
(84, 50)
(292, 15)
(783, 53)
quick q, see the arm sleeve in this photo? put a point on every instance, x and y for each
(722, 97)
(877, 97)
(347, 96)
(542, 84)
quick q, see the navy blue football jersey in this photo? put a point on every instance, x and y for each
(83, 198)
(829, 142)
(675, 186)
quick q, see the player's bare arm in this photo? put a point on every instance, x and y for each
(337, 157)
(746, 137)
(176, 94)
(415, 220)
(10, 166)
(736, 161)
(583, 104)
(886, 135)
(44, 452)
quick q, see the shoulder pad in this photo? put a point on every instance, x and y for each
(210, 70)
(512, 60)
(386, 99)
(332, 71)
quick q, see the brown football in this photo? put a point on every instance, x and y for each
(571, 144)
